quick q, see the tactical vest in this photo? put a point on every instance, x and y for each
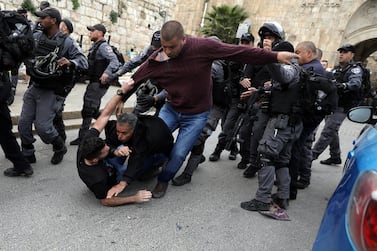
(44, 70)
(285, 100)
(96, 67)
(347, 98)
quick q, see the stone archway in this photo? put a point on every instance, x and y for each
(361, 31)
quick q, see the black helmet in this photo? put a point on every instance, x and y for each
(272, 29)
(21, 10)
(247, 37)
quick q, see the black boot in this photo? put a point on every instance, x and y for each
(182, 179)
(215, 156)
(77, 141)
(331, 161)
(192, 164)
(243, 164)
(59, 150)
(29, 158)
(13, 172)
(233, 152)
(252, 169)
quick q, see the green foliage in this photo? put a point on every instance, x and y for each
(223, 22)
(75, 4)
(113, 16)
(28, 5)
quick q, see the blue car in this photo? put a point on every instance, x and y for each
(350, 219)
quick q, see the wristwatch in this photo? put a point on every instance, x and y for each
(120, 92)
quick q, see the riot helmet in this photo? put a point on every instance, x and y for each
(271, 29)
(247, 37)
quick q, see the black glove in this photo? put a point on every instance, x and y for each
(111, 78)
(145, 101)
(341, 86)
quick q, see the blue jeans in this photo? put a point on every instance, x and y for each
(190, 126)
(119, 164)
(150, 162)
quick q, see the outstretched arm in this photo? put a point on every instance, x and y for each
(140, 197)
(286, 57)
(110, 108)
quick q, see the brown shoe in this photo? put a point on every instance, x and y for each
(159, 190)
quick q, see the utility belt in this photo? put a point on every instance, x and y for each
(61, 87)
(284, 120)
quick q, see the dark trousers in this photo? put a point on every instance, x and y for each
(301, 158)
(92, 102)
(8, 141)
(228, 126)
(59, 123)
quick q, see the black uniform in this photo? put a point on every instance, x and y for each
(7, 139)
(101, 60)
(349, 81)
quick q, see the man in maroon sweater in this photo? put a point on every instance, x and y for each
(183, 67)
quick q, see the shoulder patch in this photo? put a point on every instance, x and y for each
(356, 70)
(108, 49)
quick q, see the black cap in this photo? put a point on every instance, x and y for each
(283, 46)
(98, 27)
(347, 47)
(21, 10)
(43, 5)
(156, 39)
(52, 12)
(69, 24)
(247, 37)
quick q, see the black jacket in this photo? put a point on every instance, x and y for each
(151, 136)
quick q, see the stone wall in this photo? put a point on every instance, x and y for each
(137, 20)
(325, 22)
(328, 23)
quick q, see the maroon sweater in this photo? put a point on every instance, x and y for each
(187, 78)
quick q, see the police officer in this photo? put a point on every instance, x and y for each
(7, 139)
(348, 76)
(102, 63)
(283, 128)
(139, 59)
(301, 158)
(14, 71)
(65, 27)
(235, 72)
(145, 99)
(51, 70)
(271, 35)
(42, 5)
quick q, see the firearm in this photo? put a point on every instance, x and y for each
(242, 117)
(108, 39)
(80, 41)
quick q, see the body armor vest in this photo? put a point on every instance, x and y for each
(283, 101)
(347, 98)
(44, 70)
(96, 67)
